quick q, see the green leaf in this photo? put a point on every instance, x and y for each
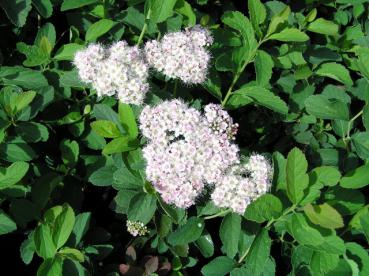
(106, 129)
(161, 10)
(219, 266)
(142, 207)
(72, 254)
(324, 215)
(290, 35)
(67, 51)
(44, 244)
(261, 96)
(23, 100)
(264, 208)
(105, 112)
(322, 263)
(13, 174)
(324, 108)
(323, 26)
(258, 254)
(103, 176)
(81, 225)
(263, 67)
(32, 132)
(44, 7)
(27, 249)
(297, 179)
(356, 178)
(237, 21)
(335, 71)
(357, 253)
(185, 9)
(123, 178)
(7, 225)
(206, 245)
(98, 29)
(257, 13)
(51, 267)
(24, 77)
(74, 4)
(360, 142)
(16, 10)
(63, 226)
(229, 234)
(69, 152)
(13, 152)
(325, 175)
(128, 120)
(302, 232)
(46, 32)
(35, 56)
(188, 232)
(121, 144)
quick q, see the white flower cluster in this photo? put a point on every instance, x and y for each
(181, 54)
(136, 228)
(184, 153)
(243, 184)
(119, 70)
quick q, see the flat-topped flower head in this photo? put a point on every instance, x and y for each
(181, 55)
(183, 154)
(119, 70)
(243, 183)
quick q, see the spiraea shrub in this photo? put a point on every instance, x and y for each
(173, 137)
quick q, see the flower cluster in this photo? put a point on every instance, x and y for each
(119, 70)
(181, 54)
(184, 152)
(136, 228)
(243, 183)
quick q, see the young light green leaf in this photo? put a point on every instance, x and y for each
(290, 35)
(63, 226)
(67, 51)
(324, 215)
(356, 178)
(44, 244)
(72, 254)
(106, 129)
(323, 26)
(12, 174)
(297, 179)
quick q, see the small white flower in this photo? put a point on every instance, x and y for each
(119, 70)
(243, 183)
(181, 54)
(184, 154)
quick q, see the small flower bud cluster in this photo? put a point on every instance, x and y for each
(136, 228)
(243, 183)
(184, 153)
(220, 122)
(181, 54)
(119, 70)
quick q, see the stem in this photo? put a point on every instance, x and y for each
(350, 123)
(223, 212)
(175, 88)
(239, 72)
(144, 27)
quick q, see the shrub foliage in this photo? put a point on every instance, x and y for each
(294, 75)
